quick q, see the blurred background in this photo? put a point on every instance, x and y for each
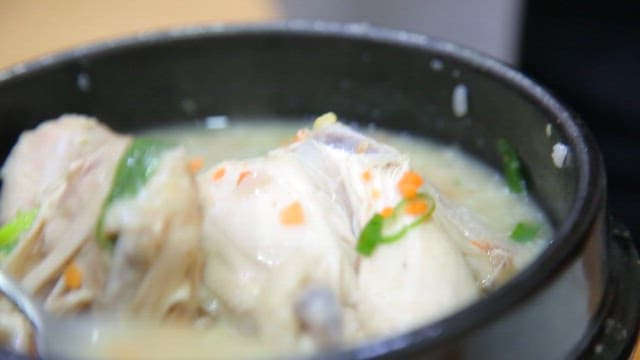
(587, 54)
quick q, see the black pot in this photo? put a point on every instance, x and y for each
(580, 298)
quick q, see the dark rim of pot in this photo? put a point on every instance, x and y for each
(568, 238)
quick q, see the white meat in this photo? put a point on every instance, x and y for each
(257, 264)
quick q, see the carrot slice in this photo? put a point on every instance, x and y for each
(219, 174)
(195, 164)
(482, 245)
(366, 176)
(73, 276)
(409, 184)
(386, 212)
(243, 175)
(417, 207)
(292, 214)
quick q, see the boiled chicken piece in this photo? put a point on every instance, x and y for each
(64, 169)
(155, 268)
(338, 152)
(366, 173)
(41, 160)
(358, 172)
(339, 179)
(270, 235)
(420, 278)
(486, 252)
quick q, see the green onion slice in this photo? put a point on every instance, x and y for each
(10, 232)
(525, 231)
(135, 168)
(373, 233)
(511, 167)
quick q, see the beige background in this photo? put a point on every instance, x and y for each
(30, 28)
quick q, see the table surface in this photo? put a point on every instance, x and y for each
(31, 28)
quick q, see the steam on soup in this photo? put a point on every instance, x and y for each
(259, 238)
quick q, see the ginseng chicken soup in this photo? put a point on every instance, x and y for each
(253, 238)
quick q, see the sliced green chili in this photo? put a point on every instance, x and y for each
(511, 167)
(373, 234)
(135, 168)
(11, 231)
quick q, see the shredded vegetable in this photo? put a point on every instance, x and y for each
(511, 167)
(373, 233)
(11, 231)
(135, 168)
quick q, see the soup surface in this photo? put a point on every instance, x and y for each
(248, 238)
